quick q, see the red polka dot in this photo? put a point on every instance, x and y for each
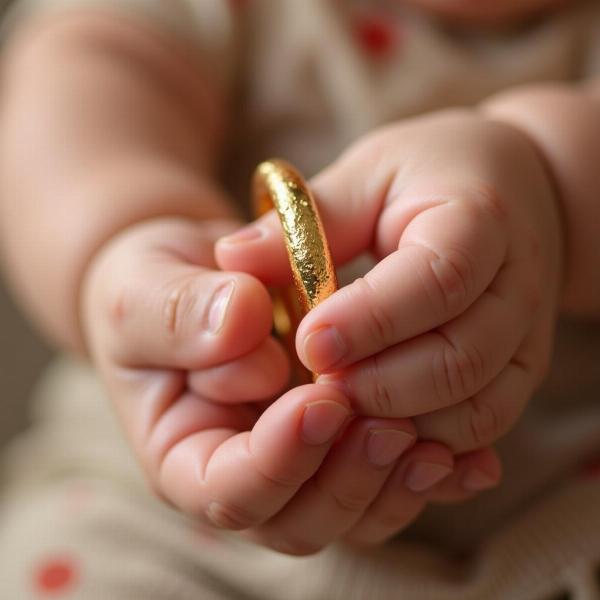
(55, 575)
(376, 36)
(591, 470)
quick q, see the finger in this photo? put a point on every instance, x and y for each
(240, 479)
(447, 257)
(160, 309)
(190, 415)
(425, 466)
(158, 412)
(492, 412)
(397, 505)
(484, 418)
(261, 373)
(474, 472)
(259, 248)
(344, 486)
(448, 365)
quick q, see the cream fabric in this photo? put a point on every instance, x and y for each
(76, 500)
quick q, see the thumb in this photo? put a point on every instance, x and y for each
(151, 300)
(349, 195)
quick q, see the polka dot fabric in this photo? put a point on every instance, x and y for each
(55, 576)
(125, 545)
(377, 36)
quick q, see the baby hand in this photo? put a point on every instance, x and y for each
(186, 353)
(454, 324)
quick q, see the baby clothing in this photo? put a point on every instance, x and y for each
(303, 79)
(79, 523)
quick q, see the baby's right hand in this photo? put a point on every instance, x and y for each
(186, 353)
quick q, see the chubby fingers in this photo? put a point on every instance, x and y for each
(448, 364)
(351, 498)
(340, 492)
(153, 300)
(448, 255)
(239, 479)
(446, 202)
(466, 383)
(486, 416)
(435, 477)
(474, 473)
(403, 496)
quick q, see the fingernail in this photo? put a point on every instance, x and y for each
(384, 446)
(337, 382)
(246, 234)
(421, 476)
(214, 514)
(218, 306)
(323, 349)
(475, 480)
(322, 421)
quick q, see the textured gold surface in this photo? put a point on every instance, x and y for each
(276, 184)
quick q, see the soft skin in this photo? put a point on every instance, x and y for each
(118, 229)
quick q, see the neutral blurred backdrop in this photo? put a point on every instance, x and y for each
(22, 356)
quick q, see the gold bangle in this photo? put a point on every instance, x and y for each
(276, 184)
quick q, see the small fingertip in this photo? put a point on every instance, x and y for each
(336, 382)
(255, 249)
(385, 446)
(422, 476)
(250, 233)
(483, 470)
(476, 480)
(322, 421)
(233, 252)
(321, 349)
(253, 307)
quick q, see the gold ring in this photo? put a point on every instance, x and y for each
(276, 184)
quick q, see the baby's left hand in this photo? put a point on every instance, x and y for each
(454, 324)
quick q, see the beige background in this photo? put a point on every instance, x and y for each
(22, 356)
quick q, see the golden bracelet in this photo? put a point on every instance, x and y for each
(276, 184)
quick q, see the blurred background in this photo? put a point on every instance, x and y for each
(22, 356)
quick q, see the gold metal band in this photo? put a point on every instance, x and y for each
(276, 184)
